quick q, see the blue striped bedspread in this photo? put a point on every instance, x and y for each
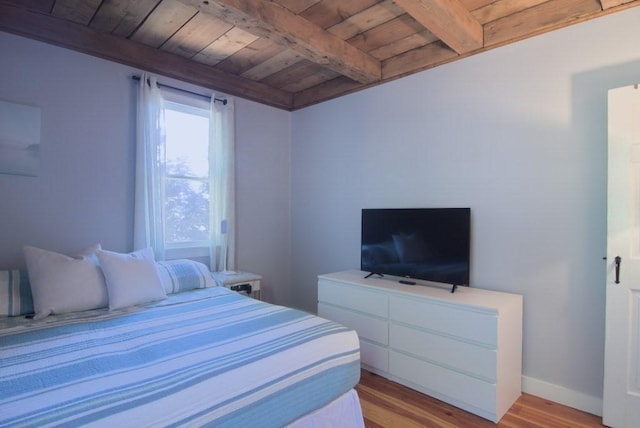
(206, 357)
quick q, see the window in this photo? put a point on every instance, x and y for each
(186, 184)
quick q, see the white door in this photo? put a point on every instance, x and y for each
(621, 401)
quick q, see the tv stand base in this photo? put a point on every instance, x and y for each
(379, 275)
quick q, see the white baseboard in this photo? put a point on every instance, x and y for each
(562, 395)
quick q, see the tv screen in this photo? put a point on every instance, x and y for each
(431, 244)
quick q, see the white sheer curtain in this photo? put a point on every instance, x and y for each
(150, 176)
(150, 161)
(222, 185)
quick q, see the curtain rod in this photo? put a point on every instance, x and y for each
(222, 100)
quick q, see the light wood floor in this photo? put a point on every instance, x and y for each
(388, 404)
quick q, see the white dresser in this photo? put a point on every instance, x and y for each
(464, 348)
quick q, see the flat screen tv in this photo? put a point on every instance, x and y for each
(431, 244)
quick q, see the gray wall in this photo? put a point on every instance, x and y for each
(519, 135)
(84, 192)
(263, 208)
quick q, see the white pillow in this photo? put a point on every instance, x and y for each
(61, 284)
(131, 278)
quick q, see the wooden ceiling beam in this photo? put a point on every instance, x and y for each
(325, 91)
(448, 20)
(608, 4)
(422, 58)
(278, 24)
(87, 40)
(536, 20)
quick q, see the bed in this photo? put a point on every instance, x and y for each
(205, 356)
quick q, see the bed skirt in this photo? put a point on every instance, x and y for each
(344, 411)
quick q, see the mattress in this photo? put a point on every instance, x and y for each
(203, 357)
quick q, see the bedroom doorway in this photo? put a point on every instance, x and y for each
(621, 400)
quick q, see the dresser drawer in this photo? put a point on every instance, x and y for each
(466, 323)
(374, 356)
(448, 385)
(354, 298)
(370, 328)
(445, 351)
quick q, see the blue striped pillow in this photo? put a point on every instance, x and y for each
(182, 275)
(15, 293)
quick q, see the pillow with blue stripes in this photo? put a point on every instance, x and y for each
(182, 275)
(15, 293)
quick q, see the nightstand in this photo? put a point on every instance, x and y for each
(242, 282)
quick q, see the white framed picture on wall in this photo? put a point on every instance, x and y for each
(19, 139)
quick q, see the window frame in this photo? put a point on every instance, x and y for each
(199, 106)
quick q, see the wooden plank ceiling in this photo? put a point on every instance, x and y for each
(291, 53)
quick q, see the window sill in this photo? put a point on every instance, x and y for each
(186, 252)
